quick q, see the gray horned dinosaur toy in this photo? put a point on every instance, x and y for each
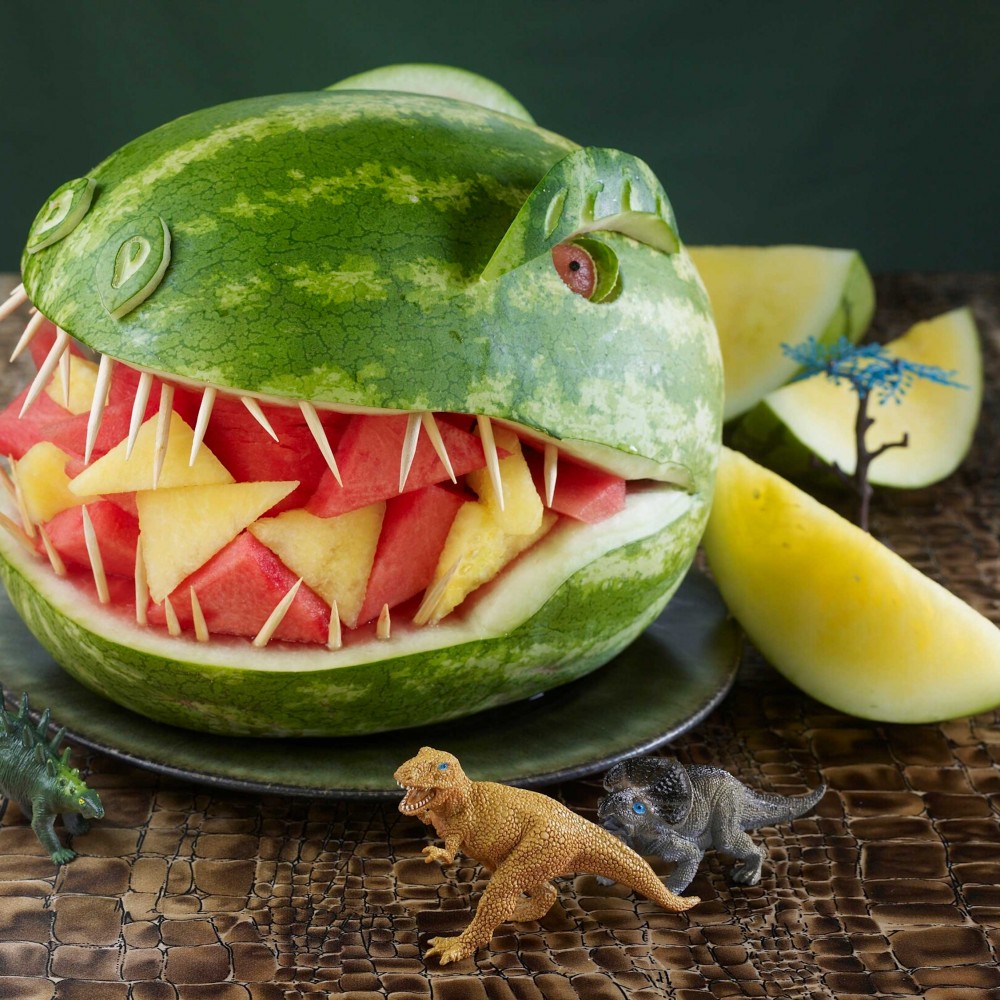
(661, 808)
(41, 782)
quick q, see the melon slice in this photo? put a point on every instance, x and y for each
(114, 473)
(44, 484)
(332, 555)
(182, 527)
(838, 613)
(82, 383)
(763, 297)
(815, 416)
(238, 588)
(520, 513)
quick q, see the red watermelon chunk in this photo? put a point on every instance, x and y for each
(368, 457)
(237, 590)
(581, 492)
(18, 434)
(71, 436)
(250, 454)
(414, 530)
(117, 535)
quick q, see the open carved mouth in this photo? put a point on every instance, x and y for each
(206, 513)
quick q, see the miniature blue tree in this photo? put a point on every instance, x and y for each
(871, 371)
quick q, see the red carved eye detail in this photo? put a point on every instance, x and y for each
(576, 268)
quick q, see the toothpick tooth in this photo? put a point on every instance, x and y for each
(551, 470)
(410, 441)
(162, 431)
(258, 414)
(15, 300)
(64, 376)
(55, 560)
(334, 639)
(319, 435)
(201, 425)
(6, 482)
(492, 459)
(94, 555)
(173, 625)
(200, 626)
(383, 630)
(59, 347)
(432, 599)
(141, 588)
(434, 434)
(104, 370)
(32, 327)
(22, 506)
(17, 531)
(276, 617)
(142, 391)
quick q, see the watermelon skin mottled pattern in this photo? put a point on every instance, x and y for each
(594, 614)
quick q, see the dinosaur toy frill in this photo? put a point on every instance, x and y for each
(524, 837)
(40, 780)
(661, 808)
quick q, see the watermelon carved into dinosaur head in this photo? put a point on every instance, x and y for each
(369, 251)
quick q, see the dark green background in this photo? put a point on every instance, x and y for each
(866, 124)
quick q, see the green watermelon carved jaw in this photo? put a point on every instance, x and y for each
(308, 251)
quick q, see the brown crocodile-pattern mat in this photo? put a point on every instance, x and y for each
(890, 888)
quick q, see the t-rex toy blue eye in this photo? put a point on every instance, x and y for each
(443, 766)
(638, 808)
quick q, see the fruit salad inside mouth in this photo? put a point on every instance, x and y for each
(205, 513)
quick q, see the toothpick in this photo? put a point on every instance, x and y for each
(201, 425)
(97, 405)
(258, 414)
(432, 599)
(492, 459)
(33, 326)
(434, 434)
(162, 430)
(64, 376)
(384, 627)
(334, 638)
(200, 626)
(42, 376)
(551, 470)
(15, 300)
(276, 617)
(94, 555)
(142, 391)
(141, 589)
(27, 523)
(410, 441)
(173, 625)
(319, 436)
(18, 532)
(5, 481)
(55, 560)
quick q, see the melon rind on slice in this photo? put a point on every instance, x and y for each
(816, 416)
(839, 614)
(763, 297)
(565, 606)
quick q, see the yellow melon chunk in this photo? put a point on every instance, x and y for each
(182, 527)
(476, 550)
(114, 473)
(41, 477)
(82, 383)
(522, 506)
(333, 555)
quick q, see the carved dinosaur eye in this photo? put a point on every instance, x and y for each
(587, 267)
(638, 808)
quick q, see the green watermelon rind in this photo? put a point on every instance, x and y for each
(593, 615)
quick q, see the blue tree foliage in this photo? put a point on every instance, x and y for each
(869, 368)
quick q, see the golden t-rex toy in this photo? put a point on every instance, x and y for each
(523, 837)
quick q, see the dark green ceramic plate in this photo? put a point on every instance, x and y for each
(664, 683)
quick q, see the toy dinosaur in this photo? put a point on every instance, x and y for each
(41, 782)
(661, 808)
(523, 837)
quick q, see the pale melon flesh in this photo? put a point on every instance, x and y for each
(763, 297)
(816, 416)
(839, 614)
